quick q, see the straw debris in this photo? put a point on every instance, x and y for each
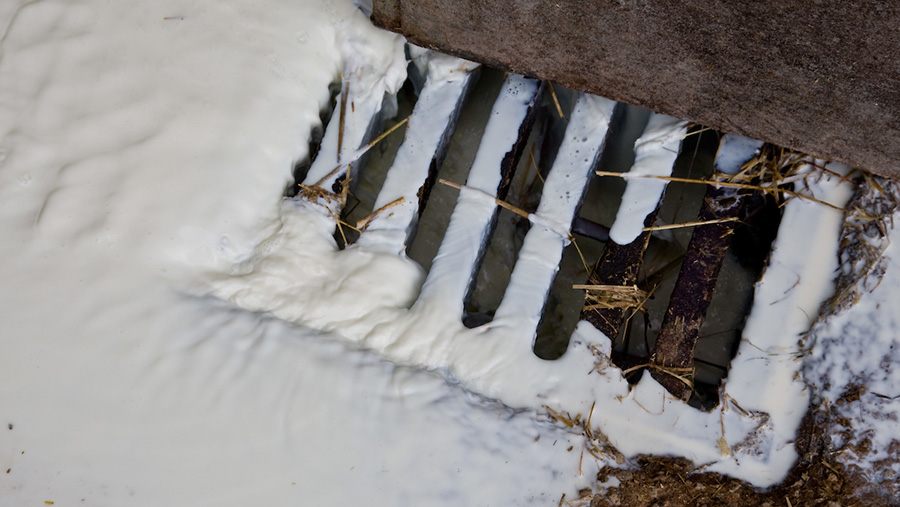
(771, 172)
(364, 222)
(864, 240)
(596, 444)
(314, 193)
(689, 224)
(613, 296)
(559, 110)
(499, 202)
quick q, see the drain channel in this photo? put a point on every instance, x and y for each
(505, 266)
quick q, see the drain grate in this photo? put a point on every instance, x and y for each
(519, 230)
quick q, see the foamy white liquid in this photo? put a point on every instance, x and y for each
(141, 155)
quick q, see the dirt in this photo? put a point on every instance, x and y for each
(818, 479)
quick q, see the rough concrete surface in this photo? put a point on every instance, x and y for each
(817, 76)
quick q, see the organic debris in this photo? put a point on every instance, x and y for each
(559, 110)
(613, 296)
(596, 444)
(818, 479)
(364, 222)
(850, 328)
(499, 202)
(770, 172)
(864, 239)
(690, 224)
(333, 202)
(618, 266)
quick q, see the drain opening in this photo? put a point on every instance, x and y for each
(664, 253)
(301, 167)
(596, 212)
(742, 265)
(370, 178)
(657, 268)
(502, 251)
(455, 168)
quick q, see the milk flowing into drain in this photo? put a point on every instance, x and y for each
(369, 295)
(146, 149)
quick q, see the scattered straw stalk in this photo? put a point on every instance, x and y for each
(613, 296)
(864, 240)
(770, 172)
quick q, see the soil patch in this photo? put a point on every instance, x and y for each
(818, 478)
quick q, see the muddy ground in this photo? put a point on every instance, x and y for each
(817, 479)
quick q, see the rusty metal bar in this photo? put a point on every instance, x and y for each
(672, 359)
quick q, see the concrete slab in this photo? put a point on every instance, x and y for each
(817, 76)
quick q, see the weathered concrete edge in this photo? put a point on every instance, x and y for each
(776, 112)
